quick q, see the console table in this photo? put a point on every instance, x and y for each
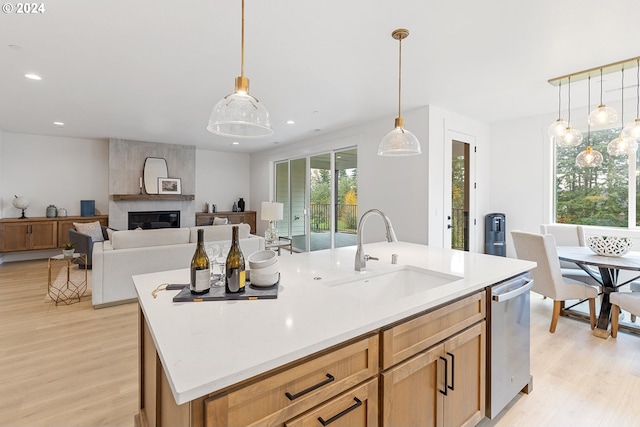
(40, 232)
(246, 217)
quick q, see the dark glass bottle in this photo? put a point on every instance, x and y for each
(234, 268)
(200, 272)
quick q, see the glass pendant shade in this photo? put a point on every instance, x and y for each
(589, 158)
(632, 130)
(558, 128)
(617, 147)
(399, 142)
(602, 115)
(240, 115)
(571, 138)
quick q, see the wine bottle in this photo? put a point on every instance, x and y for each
(200, 273)
(234, 267)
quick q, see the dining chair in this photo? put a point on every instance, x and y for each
(547, 277)
(571, 235)
(635, 287)
(629, 301)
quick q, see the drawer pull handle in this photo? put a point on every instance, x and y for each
(310, 389)
(335, 417)
(446, 369)
(453, 371)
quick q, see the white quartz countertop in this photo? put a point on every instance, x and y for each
(207, 346)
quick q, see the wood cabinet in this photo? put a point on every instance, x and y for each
(356, 408)
(246, 217)
(39, 233)
(427, 370)
(444, 384)
(27, 235)
(271, 399)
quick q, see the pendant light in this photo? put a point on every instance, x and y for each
(399, 142)
(589, 158)
(621, 145)
(558, 128)
(602, 115)
(632, 130)
(239, 114)
(572, 137)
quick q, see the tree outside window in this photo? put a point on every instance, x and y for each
(593, 196)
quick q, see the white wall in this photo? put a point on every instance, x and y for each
(53, 170)
(521, 174)
(401, 187)
(62, 171)
(222, 178)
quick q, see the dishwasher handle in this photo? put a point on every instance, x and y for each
(526, 287)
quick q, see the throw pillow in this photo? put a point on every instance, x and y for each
(220, 221)
(93, 229)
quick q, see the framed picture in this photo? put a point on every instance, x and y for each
(169, 186)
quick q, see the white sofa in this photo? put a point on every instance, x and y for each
(131, 252)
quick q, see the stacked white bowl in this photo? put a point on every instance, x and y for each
(264, 268)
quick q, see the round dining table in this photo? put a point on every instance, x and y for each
(609, 268)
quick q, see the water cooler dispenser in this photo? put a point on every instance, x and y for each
(494, 234)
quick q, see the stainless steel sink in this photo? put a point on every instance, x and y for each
(392, 285)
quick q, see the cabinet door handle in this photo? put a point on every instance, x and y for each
(453, 371)
(446, 369)
(310, 389)
(346, 411)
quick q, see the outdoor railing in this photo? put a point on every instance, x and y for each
(346, 218)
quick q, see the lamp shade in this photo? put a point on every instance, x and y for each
(399, 142)
(240, 115)
(271, 211)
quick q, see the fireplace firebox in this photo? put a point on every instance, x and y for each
(154, 219)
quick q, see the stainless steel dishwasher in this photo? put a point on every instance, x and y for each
(508, 362)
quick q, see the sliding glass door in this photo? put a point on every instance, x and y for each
(320, 200)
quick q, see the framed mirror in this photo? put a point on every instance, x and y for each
(154, 168)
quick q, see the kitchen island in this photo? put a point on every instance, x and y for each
(275, 362)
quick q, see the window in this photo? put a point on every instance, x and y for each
(595, 196)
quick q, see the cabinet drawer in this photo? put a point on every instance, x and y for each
(357, 407)
(409, 338)
(287, 394)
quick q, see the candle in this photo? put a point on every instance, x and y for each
(140, 182)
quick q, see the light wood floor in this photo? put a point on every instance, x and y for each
(76, 366)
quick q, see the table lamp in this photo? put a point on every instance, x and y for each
(271, 211)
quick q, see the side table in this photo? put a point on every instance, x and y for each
(70, 290)
(282, 242)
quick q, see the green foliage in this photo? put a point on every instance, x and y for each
(346, 199)
(592, 196)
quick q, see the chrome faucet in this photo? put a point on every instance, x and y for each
(361, 258)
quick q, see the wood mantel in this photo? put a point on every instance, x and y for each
(152, 197)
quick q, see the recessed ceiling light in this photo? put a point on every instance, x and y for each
(291, 122)
(32, 76)
(235, 143)
(14, 47)
(58, 123)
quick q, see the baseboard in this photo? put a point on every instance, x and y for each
(114, 303)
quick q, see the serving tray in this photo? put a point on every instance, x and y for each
(218, 294)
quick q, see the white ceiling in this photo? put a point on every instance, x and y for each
(152, 70)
